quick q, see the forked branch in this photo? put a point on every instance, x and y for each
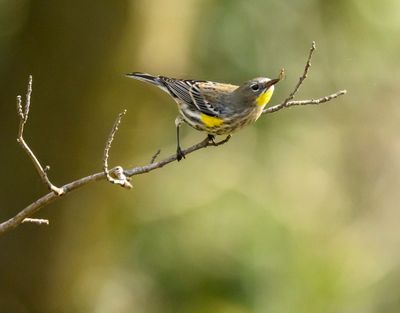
(288, 103)
(118, 175)
(23, 114)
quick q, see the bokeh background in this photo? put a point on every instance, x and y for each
(298, 213)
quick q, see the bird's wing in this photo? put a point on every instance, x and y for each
(213, 96)
(207, 97)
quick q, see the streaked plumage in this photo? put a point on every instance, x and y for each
(215, 108)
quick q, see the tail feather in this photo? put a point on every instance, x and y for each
(155, 80)
(145, 77)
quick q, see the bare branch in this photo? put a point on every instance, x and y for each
(300, 82)
(21, 115)
(304, 76)
(304, 102)
(118, 172)
(110, 140)
(28, 99)
(31, 209)
(23, 118)
(154, 157)
(118, 175)
(39, 221)
(152, 166)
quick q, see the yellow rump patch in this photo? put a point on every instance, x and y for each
(211, 121)
(264, 98)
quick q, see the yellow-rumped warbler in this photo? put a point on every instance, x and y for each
(216, 108)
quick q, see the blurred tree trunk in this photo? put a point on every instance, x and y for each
(67, 46)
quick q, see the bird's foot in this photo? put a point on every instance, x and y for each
(179, 154)
(211, 139)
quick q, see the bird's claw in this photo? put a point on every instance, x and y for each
(211, 139)
(179, 154)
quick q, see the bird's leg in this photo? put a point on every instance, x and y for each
(211, 139)
(179, 153)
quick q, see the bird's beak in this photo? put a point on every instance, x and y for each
(276, 80)
(271, 83)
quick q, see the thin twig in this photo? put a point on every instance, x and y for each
(301, 79)
(304, 102)
(152, 166)
(23, 114)
(118, 171)
(109, 142)
(304, 76)
(154, 157)
(39, 221)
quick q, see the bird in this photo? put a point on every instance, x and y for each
(213, 107)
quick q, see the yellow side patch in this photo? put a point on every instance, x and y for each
(264, 98)
(211, 121)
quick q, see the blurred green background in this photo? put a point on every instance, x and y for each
(297, 213)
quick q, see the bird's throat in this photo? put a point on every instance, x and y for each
(264, 98)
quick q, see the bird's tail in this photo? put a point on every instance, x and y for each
(154, 80)
(145, 77)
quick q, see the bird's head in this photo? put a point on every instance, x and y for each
(258, 91)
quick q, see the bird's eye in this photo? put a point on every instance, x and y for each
(255, 87)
